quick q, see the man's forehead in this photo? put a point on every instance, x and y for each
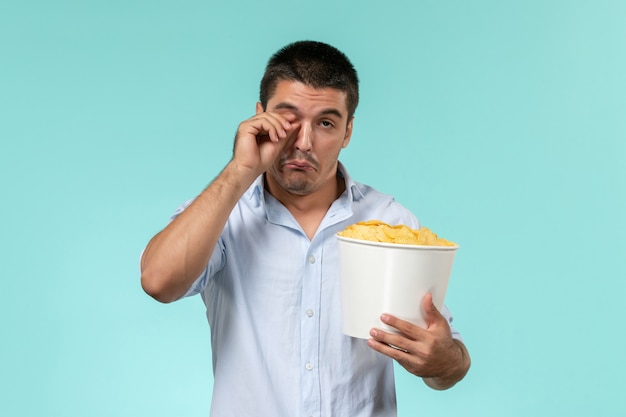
(294, 94)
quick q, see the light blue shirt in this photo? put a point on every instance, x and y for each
(273, 305)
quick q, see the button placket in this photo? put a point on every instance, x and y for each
(310, 331)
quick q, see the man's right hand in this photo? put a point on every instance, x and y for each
(261, 138)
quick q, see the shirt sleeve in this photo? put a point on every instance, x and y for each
(448, 315)
(214, 264)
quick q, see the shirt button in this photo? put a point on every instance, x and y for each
(308, 366)
(309, 313)
(311, 259)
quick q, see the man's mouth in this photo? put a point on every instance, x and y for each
(298, 165)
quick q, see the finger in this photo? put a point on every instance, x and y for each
(282, 122)
(432, 315)
(395, 352)
(266, 125)
(265, 130)
(287, 117)
(274, 128)
(407, 328)
(394, 340)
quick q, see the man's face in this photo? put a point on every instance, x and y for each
(309, 160)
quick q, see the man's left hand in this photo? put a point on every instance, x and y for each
(430, 353)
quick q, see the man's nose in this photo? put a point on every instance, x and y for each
(303, 137)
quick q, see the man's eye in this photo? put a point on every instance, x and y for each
(326, 123)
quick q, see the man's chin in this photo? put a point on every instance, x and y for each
(294, 182)
(298, 188)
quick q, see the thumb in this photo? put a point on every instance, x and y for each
(431, 313)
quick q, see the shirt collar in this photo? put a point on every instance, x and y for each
(354, 190)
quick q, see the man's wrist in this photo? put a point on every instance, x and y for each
(455, 373)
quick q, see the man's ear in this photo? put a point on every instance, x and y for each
(346, 139)
(259, 108)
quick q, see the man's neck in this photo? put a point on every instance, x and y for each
(309, 210)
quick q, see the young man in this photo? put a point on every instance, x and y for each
(259, 245)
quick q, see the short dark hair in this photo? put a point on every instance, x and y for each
(315, 64)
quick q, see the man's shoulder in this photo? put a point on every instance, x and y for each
(371, 204)
(369, 193)
(361, 191)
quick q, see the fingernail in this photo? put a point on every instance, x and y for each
(384, 318)
(374, 332)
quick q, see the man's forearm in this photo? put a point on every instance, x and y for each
(176, 256)
(455, 373)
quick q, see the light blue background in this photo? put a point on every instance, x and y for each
(501, 124)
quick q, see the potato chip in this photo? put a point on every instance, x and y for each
(377, 231)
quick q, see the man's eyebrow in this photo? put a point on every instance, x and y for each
(286, 106)
(331, 112)
(326, 112)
